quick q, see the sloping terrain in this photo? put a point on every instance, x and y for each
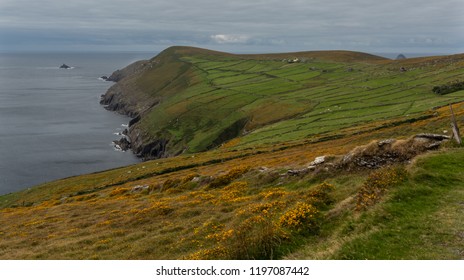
(261, 190)
(192, 100)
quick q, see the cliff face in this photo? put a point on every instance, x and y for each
(138, 88)
(124, 97)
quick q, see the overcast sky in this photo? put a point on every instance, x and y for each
(407, 26)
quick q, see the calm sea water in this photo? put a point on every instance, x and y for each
(51, 123)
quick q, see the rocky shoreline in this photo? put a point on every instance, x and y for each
(120, 98)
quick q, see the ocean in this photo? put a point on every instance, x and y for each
(51, 123)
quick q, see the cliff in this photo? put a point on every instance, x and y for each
(189, 100)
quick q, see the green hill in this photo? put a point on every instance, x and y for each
(192, 100)
(310, 155)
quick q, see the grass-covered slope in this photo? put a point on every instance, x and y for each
(249, 214)
(192, 100)
(421, 218)
(244, 204)
(254, 197)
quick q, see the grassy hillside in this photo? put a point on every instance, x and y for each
(253, 196)
(204, 98)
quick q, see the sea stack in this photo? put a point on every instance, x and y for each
(64, 66)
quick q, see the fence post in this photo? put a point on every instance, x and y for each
(454, 126)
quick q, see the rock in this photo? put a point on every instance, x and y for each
(263, 169)
(403, 69)
(439, 137)
(64, 66)
(134, 120)
(432, 146)
(123, 144)
(116, 76)
(104, 78)
(385, 142)
(139, 188)
(400, 56)
(296, 172)
(317, 161)
(152, 150)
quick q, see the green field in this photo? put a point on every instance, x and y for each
(276, 101)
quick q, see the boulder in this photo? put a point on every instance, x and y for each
(123, 144)
(317, 161)
(139, 188)
(297, 172)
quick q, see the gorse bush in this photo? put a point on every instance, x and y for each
(303, 218)
(119, 191)
(261, 229)
(234, 191)
(377, 184)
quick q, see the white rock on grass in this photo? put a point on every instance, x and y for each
(317, 161)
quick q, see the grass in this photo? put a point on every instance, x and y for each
(236, 201)
(242, 213)
(420, 218)
(204, 93)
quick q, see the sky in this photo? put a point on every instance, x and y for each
(240, 26)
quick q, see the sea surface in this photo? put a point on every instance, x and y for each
(51, 123)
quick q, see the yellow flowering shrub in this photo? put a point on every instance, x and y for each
(303, 217)
(157, 208)
(233, 191)
(268, 207)
(274, 193)
(119, 191)
(209, 254)
(377, 184)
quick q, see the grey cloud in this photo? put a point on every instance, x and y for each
(271, 25)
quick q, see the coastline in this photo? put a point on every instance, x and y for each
(124, 98)
(51, 120)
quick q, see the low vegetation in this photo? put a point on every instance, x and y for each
(381, 192)
(449, 88)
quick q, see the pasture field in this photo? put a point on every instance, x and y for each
(278, 101)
